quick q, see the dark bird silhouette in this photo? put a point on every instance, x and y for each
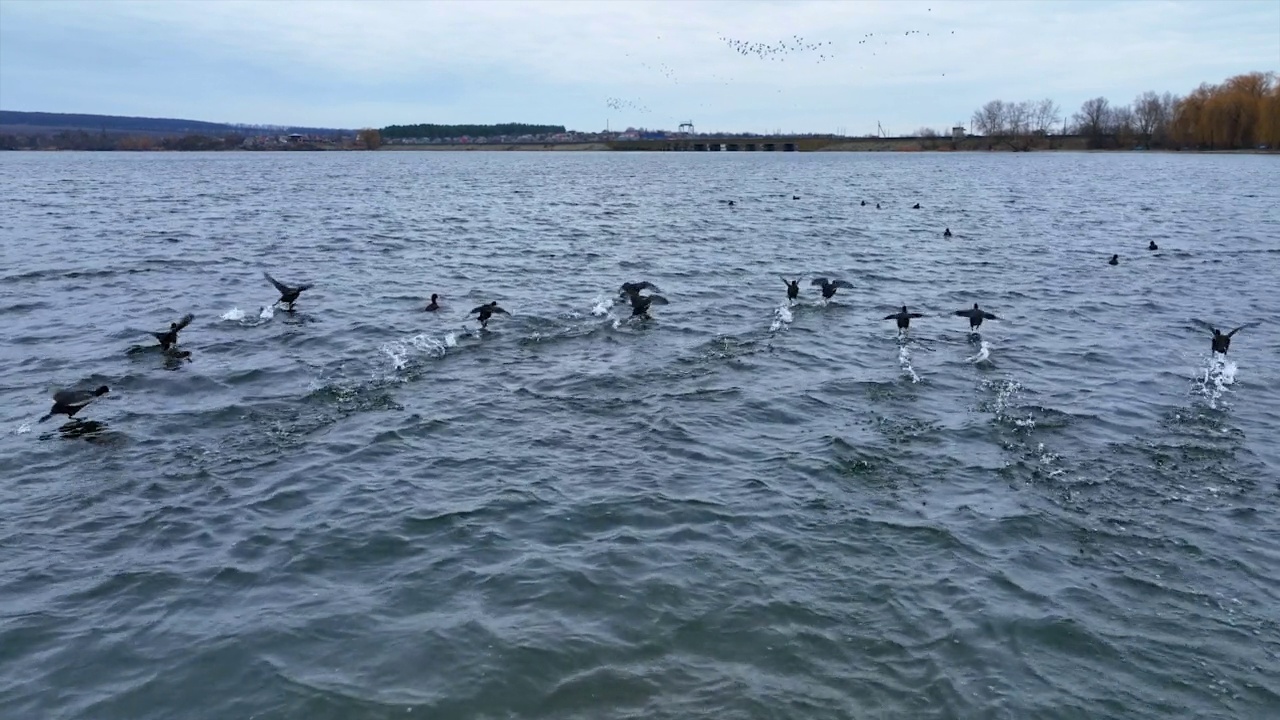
(976, 315)
(434, 305)
(288, 294)
(1222, 341)
(916, 206)
(487, 311)
(793, 288)
(864, 203)
(630, 288)
(1115, 260)
(169, 338)
(877, 206)
(795, 197)
(640, 303)
(1152, 245)
(904, 318)
(731, 203)
(946, 233)
(829, 287)
(70, 402)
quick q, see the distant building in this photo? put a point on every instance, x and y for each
(957, 132)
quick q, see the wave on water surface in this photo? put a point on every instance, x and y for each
(740, 507)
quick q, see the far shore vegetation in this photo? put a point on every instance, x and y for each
(1241, 113)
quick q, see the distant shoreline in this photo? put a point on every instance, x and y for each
(700, 145)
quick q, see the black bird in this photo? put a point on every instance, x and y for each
(864, 203)
(829, 287)
(916, 206)
(976, 316)
(640, 303)
(1115, 260)
(434, 305)
(731, 203)
(793, 288)
(170, 338)
(877, 206)
(487, 311)
(1222, 341)
(70, 402)
(1152, 245)
(946, 233)
(288, 294)
(903, 318)
(795, 197)
(630, 288)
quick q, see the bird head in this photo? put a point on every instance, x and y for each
(103, 390)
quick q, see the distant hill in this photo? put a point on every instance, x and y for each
(40, 123)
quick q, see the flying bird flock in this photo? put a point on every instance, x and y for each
(798, 49)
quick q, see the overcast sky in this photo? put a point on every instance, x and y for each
(363, 63)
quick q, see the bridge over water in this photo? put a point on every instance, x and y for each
(727, 144)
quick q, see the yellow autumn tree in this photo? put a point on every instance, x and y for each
(1242, 112)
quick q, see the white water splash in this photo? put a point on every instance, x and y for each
(604, 308)
(984, 352)
(781, 318)
(1006, 391)
(904, 360)
(401, 352)
(23, 429)
(235, 314)
(1215, 379)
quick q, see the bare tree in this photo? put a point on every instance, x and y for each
(1045, 116)
(1123, 123)
(1093, 119)
(1146, 115)
(989, 120)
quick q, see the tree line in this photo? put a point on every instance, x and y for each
(81, 140)
(431, 131)
(1242, 112)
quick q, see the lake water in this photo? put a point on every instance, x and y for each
(737, 509)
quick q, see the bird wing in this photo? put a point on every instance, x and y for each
(963, 313)
(818, 281)
(916, 315)
(499, 310)
(891, 317)
(843, 284)
(279, 285)
(73, 398)
(989, 316)
(303, 286)
(1242, 327)
(476, 310)
(185, 321)
(658, 299)
(785, 280)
